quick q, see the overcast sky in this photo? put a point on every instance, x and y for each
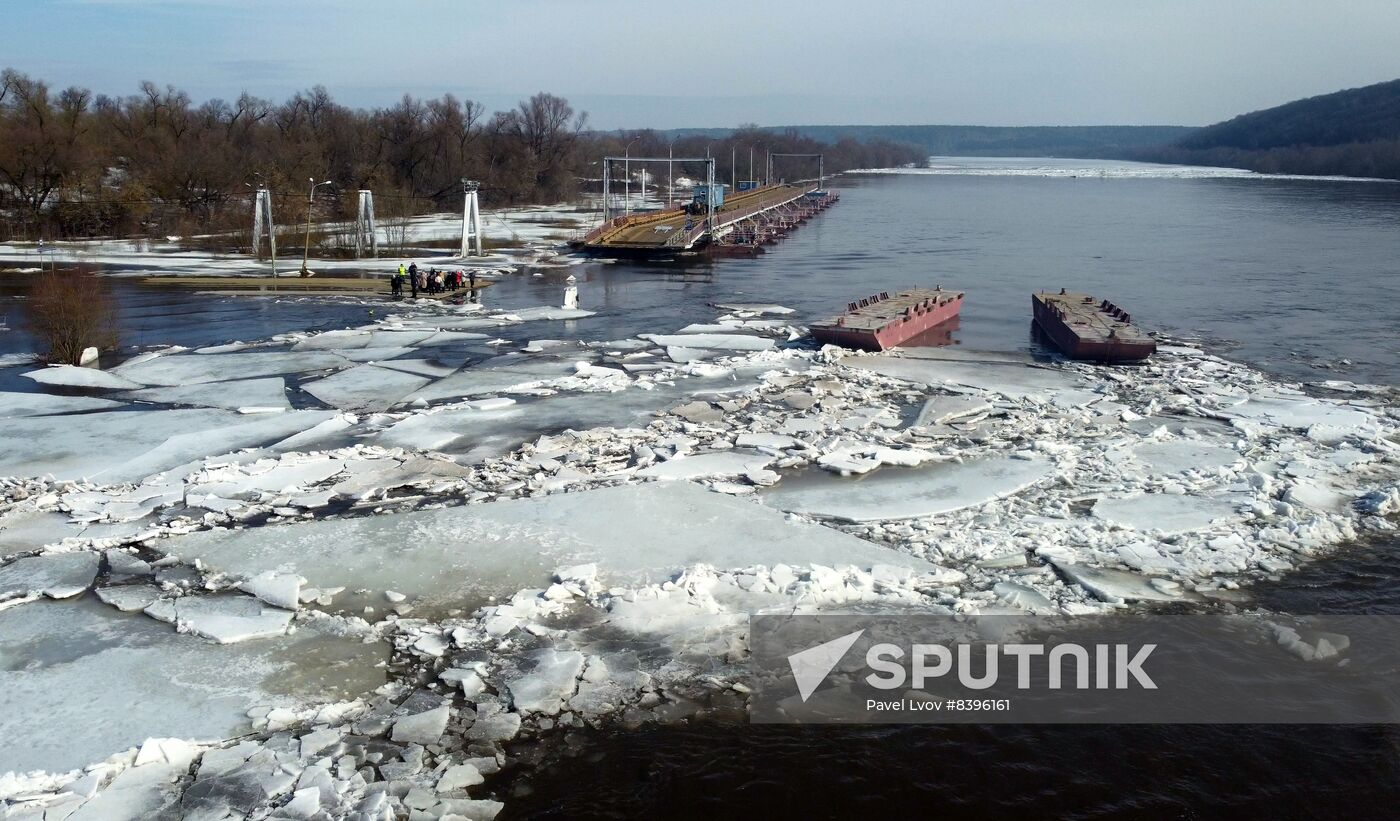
(640, 63)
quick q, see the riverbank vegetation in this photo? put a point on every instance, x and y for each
(74, 164)
(1354, 133)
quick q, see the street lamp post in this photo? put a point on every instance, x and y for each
(670, 179)
(310, 200)
(627, 178)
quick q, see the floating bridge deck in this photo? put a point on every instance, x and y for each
(746, 221)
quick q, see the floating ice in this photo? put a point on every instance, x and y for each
(236, 432)
(56, 575)
(463, 554)
(138, 679)
(25, 530)
(1179, 455)
(549, 684)
(533, 314)
(13, 405)
(224, 618)
(1119, 585)
(940, 409)
(704, 465)
(346, 340)
(896, 493)
(365, 388)
(189, 369)
(1017, 381)
(711, 342)
(754, 308)
(1167, 512)
(480, 381)
(1300, 412)
(72, 376)
(247, 395)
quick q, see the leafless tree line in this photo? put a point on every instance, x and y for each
(156, 163)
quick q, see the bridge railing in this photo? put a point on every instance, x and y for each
(688, 237)
(618, 223)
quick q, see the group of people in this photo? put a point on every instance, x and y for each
(428, 281)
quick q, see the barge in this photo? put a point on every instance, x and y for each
(1085, 328)
(881, 321)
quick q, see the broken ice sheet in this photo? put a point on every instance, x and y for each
(225, 618)
(906, 493)
(72, 376)
(711, 342)
(56, 575)
(1180, 455)
(14, 405)
(703, 465)
(22, 531)
(1168, 513)
(120, 446)
(365, 388)
(247, 395)
(1018, 381)
(479, 381)
(458, 556)
(153, 681)
(189, 369)
(1115, 586)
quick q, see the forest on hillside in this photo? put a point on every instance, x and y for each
(1355, 133)
(75, 164)
(1084, 141)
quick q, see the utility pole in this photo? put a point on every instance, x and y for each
(306, 246)
(734, 167)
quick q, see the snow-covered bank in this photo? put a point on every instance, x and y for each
(571, 533)
(523, 236)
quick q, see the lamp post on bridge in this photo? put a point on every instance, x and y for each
(306, 246)
(627, 177)
(670, 178)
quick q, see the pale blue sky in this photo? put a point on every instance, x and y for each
(775, 62)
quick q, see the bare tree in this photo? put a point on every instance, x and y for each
(71, 311)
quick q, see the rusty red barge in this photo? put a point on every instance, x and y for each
(1085, 328)
(878, 322)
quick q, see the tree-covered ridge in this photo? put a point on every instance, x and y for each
(993, 141)
(1356, 115)
(1354, 133)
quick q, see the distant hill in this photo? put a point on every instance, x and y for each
(1355, 132)
(988, 141)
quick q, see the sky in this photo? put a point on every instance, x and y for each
(721, 63)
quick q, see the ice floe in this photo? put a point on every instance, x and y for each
(910, 493)
(14, 405)
(245, 396)
(72, 376)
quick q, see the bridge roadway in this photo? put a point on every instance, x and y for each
(652, 230)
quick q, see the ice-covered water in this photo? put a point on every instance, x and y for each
(1098, 486)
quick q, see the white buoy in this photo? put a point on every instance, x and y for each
(571, 297)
